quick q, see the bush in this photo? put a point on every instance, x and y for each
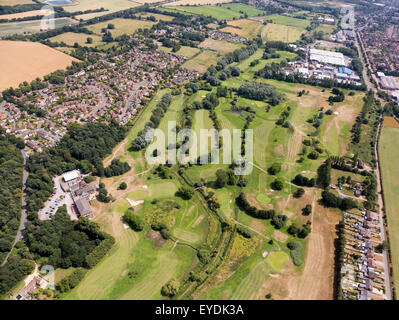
(274, 169)
(123, 186)
(277, 185)
(307, 210)
(133, 220)
(295, 252)
(185, 193)
(171, 288)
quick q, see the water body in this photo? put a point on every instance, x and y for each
(58, 2)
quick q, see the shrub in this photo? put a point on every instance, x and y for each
(123, 186)
(171, 288)
(133, 220)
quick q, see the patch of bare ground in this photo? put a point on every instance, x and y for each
(282, 237)
(198, 221)
(258, 226)
(156, 236)
(315, 280)
(279, 151)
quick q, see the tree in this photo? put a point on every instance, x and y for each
(299, 193)
(171, 288)
(307, 210)
(277, 185)
(134, 220)
(89, 40)
(274, 169)
(221, 178)
(123, 186)
(185, 193)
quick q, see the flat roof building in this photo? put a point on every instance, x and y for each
(71, 175)
(327, 57)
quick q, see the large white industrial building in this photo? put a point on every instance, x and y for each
(327, 57)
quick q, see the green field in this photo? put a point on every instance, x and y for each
(110, 5)
(243, 8)
(202, 61)
(216, 12)
(389, 154)
(29, 26)
(71, 38)
(122, 26)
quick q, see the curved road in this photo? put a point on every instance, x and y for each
(21, 227)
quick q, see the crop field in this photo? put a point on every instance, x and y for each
(196, 2)
(244, 27)
(389, 154)
(14, 2)
(30, 26)
(216, 12)
(288, 21)
(111, 5)
(20, 61)
(222, 47)
(81, 38)
(159, 17)
(279, 32)
(241, 7)
(24, 14)
(202, 61)
(122, 26)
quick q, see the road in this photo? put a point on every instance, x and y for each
(380, 200)
(21, 227)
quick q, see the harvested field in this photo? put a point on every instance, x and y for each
(122, 26)
(25, 14)
(272, 32)
(390, 122)
(195, 2)
(244, 27)
(81, 38)
(30, 26)
(202, 61)
(111, 5)
(222, 47)
(19, 60)
(14, 2)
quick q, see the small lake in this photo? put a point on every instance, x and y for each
(58, 2)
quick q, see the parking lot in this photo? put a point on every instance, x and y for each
(57, 199)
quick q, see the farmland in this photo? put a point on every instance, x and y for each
(111, 5)
(122, 26)
(389, 154)
(25, 14)
(202, 61)
(223, 47)
(30, 26)
(244, 27)
(71, 38)
(216, 12)
(278, 32)
(20, 61)
(196, 2)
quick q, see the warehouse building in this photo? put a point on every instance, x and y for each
(327, 57)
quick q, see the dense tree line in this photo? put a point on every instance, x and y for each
(143, 140)
(116, 168)
(11, 170)
(260, 92)
(329, 199)
(18, 266)
(83, 145)
(71, 281)
(237, 55)
(64, 243)
(324, 174)
(244, 205)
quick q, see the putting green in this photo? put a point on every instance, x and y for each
(277, 260)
